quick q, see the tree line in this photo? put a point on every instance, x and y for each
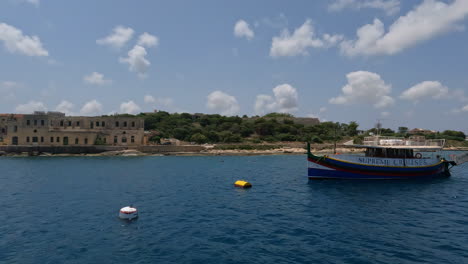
(274, 127)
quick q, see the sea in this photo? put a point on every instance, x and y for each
(65, 210)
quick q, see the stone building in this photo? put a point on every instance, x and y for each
(56, 129)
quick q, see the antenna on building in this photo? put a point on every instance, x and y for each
(378, 126)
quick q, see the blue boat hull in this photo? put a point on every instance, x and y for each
(314, 173)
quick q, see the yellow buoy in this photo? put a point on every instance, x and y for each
(242, 184)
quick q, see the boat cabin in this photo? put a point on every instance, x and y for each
(395, 153)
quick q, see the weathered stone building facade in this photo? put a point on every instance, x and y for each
(56, 129)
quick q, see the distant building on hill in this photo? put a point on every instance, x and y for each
(416, 131)
(56, 129)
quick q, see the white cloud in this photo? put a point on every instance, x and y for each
(92, 107)
(390, 7)
(421, 90)
(365, 88)
(9, 85)
(157, 102)
(118, 38)
(137, 61)
(465, 108)
(285, 100)
(96, 78)
(148, 40)
(15, 42)
(242, 29)
(222, 103)
(30, 107)
(385, 114)
(65, 107)
(148, 99)
(300, 41)
(129, 108)
(427, 20)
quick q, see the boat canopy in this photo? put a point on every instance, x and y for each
(413, 143)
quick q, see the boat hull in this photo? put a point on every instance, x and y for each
(315, 174)
(333, 168)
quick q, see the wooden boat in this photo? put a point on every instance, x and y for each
(384, 158)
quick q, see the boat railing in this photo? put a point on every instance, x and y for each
(400, 141)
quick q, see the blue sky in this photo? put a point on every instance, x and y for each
(403, 62)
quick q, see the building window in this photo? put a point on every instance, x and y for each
(117, 124)
(124, 140)
(97, 123)
(27, 139)
(35, 122)
(86, 141)
(42, 139)
(115, 139)
(65, 140)
(51, 139)
(69, 123)
(61, 122)
(58, 139)
(91, 124)
(76, 141)
(28, 122)
(3, 130)
(42, 123)
(77, 123)
(105, 140)
(35, 130)
(133, 124)
(125, 123)
(34, 139)
(15, 129)
(103, 123)
(132, 139)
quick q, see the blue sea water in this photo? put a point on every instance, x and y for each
(64, 210)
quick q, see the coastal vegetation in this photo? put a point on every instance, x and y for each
(271, 128)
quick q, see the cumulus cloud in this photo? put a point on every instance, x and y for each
(148, 99)
(16, 42)
(65, 107)
(465, 108)
(96, 78)
(425, 89)
(390, 7)
(129, 107)
(30, 107)
(148, 40)
(222, 103)
(118, 38)
(385, 114)
(242, 29)
(137, 60)
(365, 88)
(300, 41)
(425, 21)
(285, 100)
(92, 107)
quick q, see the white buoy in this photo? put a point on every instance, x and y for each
(128, 213)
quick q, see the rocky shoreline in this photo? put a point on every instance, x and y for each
(205, 152)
